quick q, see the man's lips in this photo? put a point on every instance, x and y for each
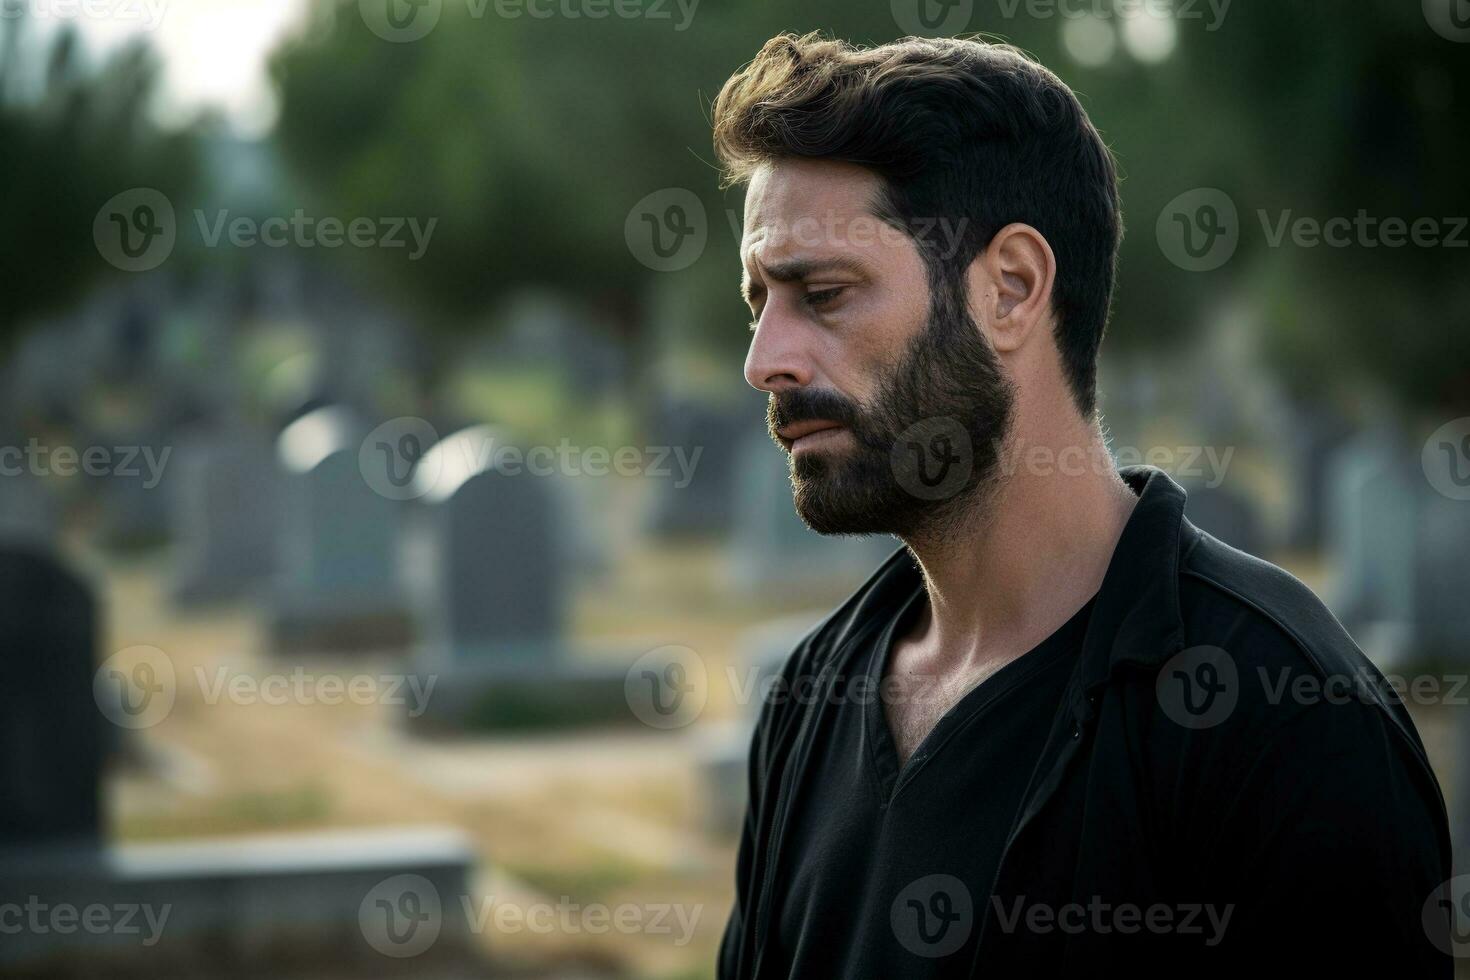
(791, 434)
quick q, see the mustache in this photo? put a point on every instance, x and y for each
(803, 404)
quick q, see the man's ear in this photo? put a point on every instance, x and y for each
(1010, 284)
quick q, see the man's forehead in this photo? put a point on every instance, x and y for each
(782, 192)
(800, 206)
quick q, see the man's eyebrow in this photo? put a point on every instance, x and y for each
(795, 270)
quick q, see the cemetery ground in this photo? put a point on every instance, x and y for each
(608, 816)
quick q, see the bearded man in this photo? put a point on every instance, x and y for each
(1063, 732)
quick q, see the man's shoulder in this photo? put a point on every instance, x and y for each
(1295, 666)
(1225, 592)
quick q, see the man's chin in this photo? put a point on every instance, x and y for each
(829, 508)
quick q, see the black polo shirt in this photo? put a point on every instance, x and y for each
(890, 847)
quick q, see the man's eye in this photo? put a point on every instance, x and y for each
(821, 297)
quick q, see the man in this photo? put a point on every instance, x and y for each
(1063, 732)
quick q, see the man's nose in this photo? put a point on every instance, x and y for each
(778, 358)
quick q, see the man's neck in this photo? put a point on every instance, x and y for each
(1035, 550)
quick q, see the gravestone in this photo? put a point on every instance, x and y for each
(1226, 514)
(28, 513)
(51, 732)
(491, 589)
(1312, 437)
(1442, 576)
(269, 905)
(136, 487)
(266, 901)
(226, 513)
(722, 757)
(494, 589)
(1372, 535)
(338, 574)
(544, 331)
(776, 555)
(588, 506)
(705, 505)
(274, 905)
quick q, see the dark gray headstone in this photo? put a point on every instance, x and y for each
(1441, 584)
(1313, 438)
(705, 504)
(51, 732)
(28, 513)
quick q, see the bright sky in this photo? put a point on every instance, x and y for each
(213, 51)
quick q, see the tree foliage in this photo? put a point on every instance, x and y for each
(74, 134)
(530, 138)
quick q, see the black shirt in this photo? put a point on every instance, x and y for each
(910, 852)
(1205, 803)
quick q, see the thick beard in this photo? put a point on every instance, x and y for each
(948, 372)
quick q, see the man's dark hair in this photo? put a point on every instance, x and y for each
(971, 133)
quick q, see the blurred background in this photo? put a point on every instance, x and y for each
(391, 552)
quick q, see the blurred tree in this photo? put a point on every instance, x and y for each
(530, 138)
(1312, 111)
(74, 135)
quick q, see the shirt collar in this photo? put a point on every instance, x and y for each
(1136, 619)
